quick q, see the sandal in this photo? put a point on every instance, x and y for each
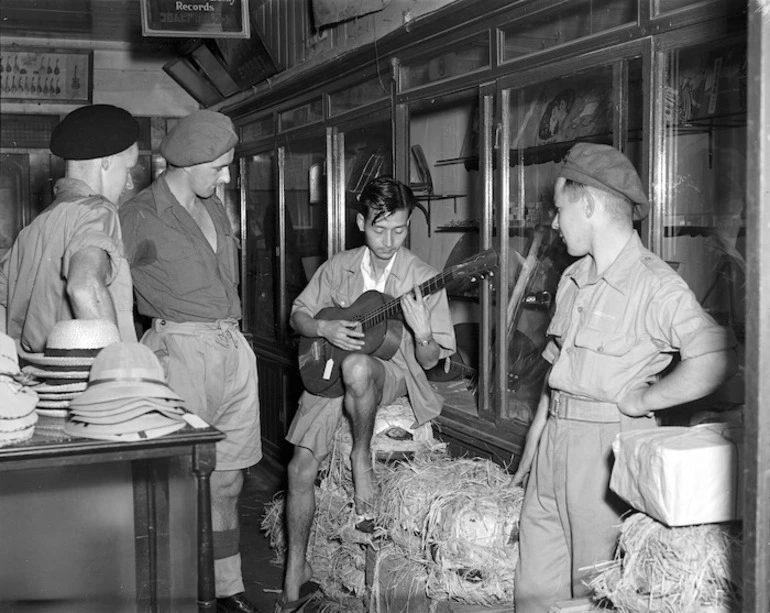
(306, 593)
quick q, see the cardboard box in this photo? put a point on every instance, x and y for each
(681, 476)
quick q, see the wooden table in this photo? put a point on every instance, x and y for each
(148, 460)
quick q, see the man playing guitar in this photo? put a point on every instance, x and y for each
(367, 381)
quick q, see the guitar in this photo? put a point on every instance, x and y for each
(380, 319)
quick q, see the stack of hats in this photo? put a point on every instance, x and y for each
(127, 398)
(17, 400)
(62, 371)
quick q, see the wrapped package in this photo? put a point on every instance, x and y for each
(680, 476)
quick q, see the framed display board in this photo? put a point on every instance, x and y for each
(196, 18)
(45, 75)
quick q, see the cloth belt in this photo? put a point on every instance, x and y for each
(567, 406)
(227, 331)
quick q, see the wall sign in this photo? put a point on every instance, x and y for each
(196, 18)
(45, 75)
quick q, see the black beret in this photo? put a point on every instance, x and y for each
(94, 131)
(606, 168)
(200, 137)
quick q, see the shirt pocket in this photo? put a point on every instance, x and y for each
(186, 271)
(603, 343)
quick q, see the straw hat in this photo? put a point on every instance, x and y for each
(127, 398)
(17, 400)
(9, 361)
(73, 344)
(125, 370)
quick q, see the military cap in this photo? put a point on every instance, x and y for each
(200, 137)
(94, 131)
(606, 168)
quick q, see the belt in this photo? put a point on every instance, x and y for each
(224, 330)
(567, 406)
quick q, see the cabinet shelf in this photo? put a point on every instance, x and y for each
(704, 124)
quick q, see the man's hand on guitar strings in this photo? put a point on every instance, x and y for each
(343, 333)
(416, 313)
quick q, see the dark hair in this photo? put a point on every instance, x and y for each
(384, 195)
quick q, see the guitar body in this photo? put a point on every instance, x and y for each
(320, 361)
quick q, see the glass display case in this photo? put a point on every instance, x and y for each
(701, 219)
(543, 121)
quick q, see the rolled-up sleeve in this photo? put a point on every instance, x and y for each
(98, 228)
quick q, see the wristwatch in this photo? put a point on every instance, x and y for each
(423, 342)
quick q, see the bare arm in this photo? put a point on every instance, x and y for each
(87, 285)
(345, 334)
(691, 379)
(533, 434)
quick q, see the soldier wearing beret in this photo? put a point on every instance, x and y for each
(184, 263)
(69, 262)
(621, 315)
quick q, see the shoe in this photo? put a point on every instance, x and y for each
(237, 603)
(306, 593)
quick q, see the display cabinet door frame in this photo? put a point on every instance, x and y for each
(756, 521)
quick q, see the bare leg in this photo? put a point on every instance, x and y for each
(300, 509)
(364, 379)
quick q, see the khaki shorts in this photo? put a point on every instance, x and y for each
(317, 418)
(212, 367)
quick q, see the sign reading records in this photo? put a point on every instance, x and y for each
(196, 18)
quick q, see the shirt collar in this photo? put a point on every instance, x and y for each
(618, 274)
(164, 197)
(367, 269)
(74, 187)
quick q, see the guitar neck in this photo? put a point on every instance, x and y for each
(392, 309)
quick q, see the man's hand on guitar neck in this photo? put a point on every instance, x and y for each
(417, 316)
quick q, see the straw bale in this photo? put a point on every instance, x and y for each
(459, 519)
(658, 569)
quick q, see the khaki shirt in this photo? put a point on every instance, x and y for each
(339, 282)
(177, 275)
(33, 274)
(619, 331)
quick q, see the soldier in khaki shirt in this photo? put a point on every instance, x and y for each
(69, 262)
(621, 314)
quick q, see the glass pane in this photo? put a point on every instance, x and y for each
(359, 95)
(545, 121)
(465, 57)
(14, 193)
(260, 281)
(306, 210)
(301, 115)
(570, 22)
(257, 129)
(367, 156)
(443, 136)
(703, 213)
(665, 6)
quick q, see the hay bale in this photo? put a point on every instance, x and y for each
(391, 422)
(459, 519)
(658, 569)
